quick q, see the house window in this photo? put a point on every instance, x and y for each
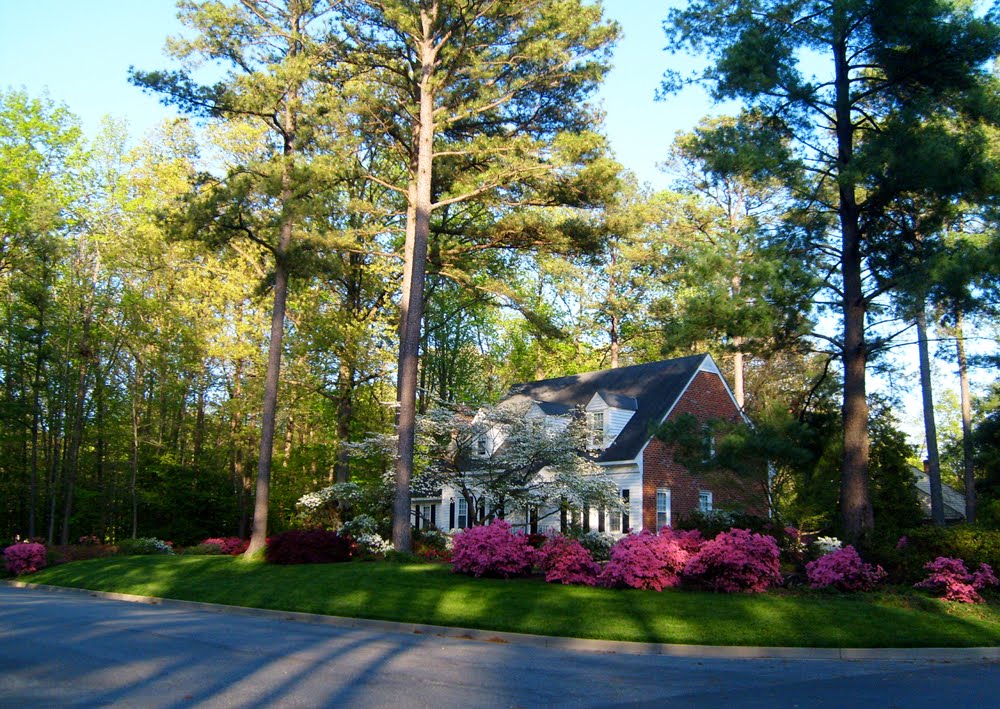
(426, 517)
(704, 501)
(481, 446)
(595, 422)
(463, 513)
(708, 444)
(662, 508)
(626, 493)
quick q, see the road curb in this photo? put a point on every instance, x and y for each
(730, 652)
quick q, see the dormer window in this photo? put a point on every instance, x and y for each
(595, 424)
(481, 446)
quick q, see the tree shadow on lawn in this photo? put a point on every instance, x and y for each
(431, 594)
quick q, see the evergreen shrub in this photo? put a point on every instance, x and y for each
(144, 545)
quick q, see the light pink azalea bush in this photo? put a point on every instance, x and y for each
(843, 570)
(737, 560)
(492, 550)
(24, 558)
(566, 561)
(951, 578)
(651, 561)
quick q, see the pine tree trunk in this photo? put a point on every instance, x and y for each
(857, 517)
(413, 298)
(930, 428)
(967, 459)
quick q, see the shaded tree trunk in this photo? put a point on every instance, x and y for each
(967, 458)
(930, 427)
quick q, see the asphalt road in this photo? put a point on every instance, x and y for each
(76, 650)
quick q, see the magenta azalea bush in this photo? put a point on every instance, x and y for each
(951, 578)
(843, 570)
(737, 560)
(492, 550)
(651, 561)
(229, 545)
(24, 558)
(566, 561)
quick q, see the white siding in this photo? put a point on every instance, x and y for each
(615, 420)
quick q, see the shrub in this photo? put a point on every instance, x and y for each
(737, 560)
(373, 544)
(651, 561)
(597, 543)
(844, 570)
(827, 545)
(203, 549)
(952, 578)
(537, 541)
(229, 545)
(89, 540)
(24, 558)
(565, 560)
(432, 544)
(974, 545)
(492, 550)
(714, 522)
(144, 545)
(309, 546)
(64, 554)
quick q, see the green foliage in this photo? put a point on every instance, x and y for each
(143, 545)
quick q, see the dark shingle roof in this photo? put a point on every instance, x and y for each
(648, 389)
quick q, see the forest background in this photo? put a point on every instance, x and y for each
(132, 361)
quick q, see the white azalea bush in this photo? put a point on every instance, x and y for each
(363, 530)
(827, 545)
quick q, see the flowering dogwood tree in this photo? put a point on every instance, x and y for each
(500, 459)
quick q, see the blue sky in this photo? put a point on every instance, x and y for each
(80, 50)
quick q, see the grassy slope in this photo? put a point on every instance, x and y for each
(430, 593)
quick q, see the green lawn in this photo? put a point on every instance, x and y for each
(430, 593)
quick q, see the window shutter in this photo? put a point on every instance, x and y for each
(434, 515)
(451, 515)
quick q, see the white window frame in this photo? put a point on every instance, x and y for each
(481, 448)
(461, 513)
(704, 501)
(662, 510)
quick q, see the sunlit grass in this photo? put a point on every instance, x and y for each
(430, 593)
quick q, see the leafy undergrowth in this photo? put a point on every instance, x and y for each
(430, 593)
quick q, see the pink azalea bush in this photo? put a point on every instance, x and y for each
(229, 545)
(651, 561)
(492, 550)
(843, 570)
(955, 581)
(737, 560)
(24, 558)
(566, 561)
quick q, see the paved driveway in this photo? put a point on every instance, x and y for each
(76, 650)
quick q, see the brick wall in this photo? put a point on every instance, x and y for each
(705, 399)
